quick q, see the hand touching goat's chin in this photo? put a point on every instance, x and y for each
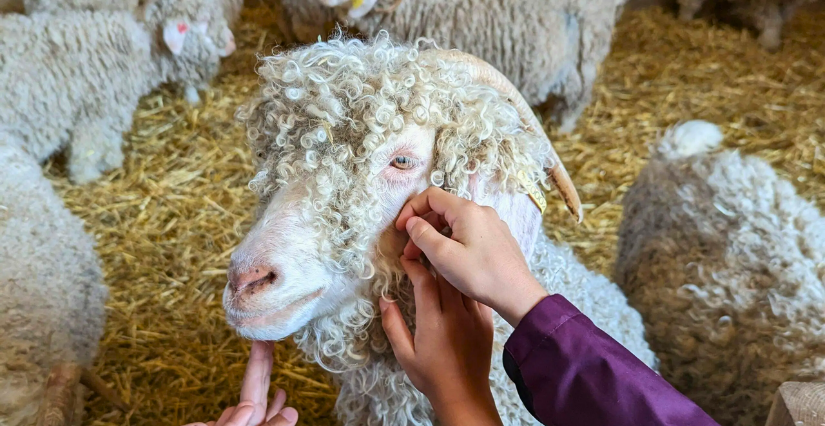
(253, 410)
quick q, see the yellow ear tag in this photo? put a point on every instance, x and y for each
(357, 3)
(533, 191)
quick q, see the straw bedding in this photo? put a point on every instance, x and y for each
(167, 221)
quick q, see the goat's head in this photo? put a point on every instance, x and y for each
(344, 133)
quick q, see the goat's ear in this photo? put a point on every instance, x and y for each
(174, 33)
(516, 209)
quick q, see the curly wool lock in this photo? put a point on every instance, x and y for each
(323, 116)
(727, 265)
(51, 287)
(333, 105)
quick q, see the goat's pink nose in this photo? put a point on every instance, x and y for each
(255, 276)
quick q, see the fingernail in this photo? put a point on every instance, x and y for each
(383, 304)
(290, 414)
(411, 222)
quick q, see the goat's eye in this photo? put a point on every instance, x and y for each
(403, 163)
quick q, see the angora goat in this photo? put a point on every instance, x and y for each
(73, 80)
(344, 133)
(548, 49)
(51, 295)
(765, 16)
(727, 266)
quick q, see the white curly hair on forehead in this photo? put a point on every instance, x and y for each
(327, 109)
(321, 122)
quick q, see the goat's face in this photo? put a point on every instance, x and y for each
(344, 133)
(284, 273)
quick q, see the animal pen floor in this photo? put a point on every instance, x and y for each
(167, 221)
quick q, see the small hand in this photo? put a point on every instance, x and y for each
(253, 409)
(448, 360)
(481, 258)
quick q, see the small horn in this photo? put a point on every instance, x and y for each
(485, 73)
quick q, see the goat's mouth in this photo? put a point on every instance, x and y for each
(239, 319)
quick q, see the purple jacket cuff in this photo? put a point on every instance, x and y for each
(569, 372)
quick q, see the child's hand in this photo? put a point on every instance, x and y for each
(253, 409)
(448, 360)
(481, 258)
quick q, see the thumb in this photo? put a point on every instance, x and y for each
(425, 238)
(397, 332)
(287, 417)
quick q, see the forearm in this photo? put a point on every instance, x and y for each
(569, 372)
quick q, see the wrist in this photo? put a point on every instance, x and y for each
(479, 410)
(520, 300)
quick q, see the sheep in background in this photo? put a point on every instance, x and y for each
(549, 50)
(33, 6)
(198, 10)
(765, 16)
(73, 80)
(344, 133)
(726, 263)
(51, 292)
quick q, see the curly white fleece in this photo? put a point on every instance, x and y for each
(323, 114)
(51, 287)
(727, 265)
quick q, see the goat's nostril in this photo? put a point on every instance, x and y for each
(260, 277)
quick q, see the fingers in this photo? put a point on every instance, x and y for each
(241, 416)
(486, 314)
(425, 288)
(256, 380)
(287, 417)
(398, 334)
(277, 403)
(450, 297)
(432, 199)
(438, 248)
(469, 304)
(225, 416)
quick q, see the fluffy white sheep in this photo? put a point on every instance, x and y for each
(51, 288)
(765, 16)
(344, 133)
(198, 10)
(726, 263)
(73, 80)
(550, 50)
(33, 6)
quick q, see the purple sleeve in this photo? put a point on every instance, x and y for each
(569, 372)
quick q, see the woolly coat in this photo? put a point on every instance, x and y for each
(72, 81)
(549, 50)
(33, 6)
(51, 287)
(366, 92)
(726, 263)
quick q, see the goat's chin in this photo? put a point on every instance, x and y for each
(271, 324)
(265, 333)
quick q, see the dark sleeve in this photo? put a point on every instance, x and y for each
(569, 372)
